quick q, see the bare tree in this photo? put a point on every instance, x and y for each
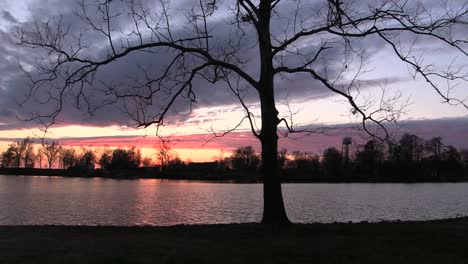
(165, 152)
(8, 158)
(68, 158)
(17, 148)
(289, 38)
(51, 151)
(28, 154)
(39, 157)
(23, 151)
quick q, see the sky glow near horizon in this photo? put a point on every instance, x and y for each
(317, 107)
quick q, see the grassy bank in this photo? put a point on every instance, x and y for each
(403, 242)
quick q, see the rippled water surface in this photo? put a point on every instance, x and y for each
(79, 201)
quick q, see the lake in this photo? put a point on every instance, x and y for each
(31, 200)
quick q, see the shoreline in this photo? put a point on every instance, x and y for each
(221, 177)
(460, 218)
(244, 181)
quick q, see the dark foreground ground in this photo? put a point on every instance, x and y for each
(444, 241)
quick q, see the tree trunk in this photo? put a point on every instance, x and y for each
(274, 212)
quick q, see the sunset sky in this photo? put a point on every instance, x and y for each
(217, 109)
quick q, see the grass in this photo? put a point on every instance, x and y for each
(444, 241)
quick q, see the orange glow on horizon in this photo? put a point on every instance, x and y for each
(204, 147)
(185, 154)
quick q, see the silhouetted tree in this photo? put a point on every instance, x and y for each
(105, 159)
(17, 153)
(147, 162)
(136, 156)
(305, 162)
(290, 38)
(410, 148)
(164, 153)
(51, 151)
(23, 152)
(464, 158)
(332, 162)
(451, 154)
(452, 164)
(245, 158)
(176, 163)
(434, 147)
(282, 157)
(8, 158)
(28, 152)
(68, 158)
(39, 157)
(125, 159)
(370, 156)
(87, 160)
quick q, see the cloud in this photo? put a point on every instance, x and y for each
(9, 17)
(127, 71)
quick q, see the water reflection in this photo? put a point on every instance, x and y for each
(79, 201)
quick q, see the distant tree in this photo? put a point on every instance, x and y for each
(23, 153)
(245, 158)
(370, 156)
(222, 161)
(136, 156)
(452, 162)
(17, 153)
(147, 162)
(282, 157)
(164, 152)
(451, 154)
(105, 159)
(68, 158)
(434, 147)
(28, 152)
(176, 163)
(410, 148)
(304, 161)
(332, 161)
(464, 157)
(51, 151)
(87, 159)
(120, 159)
(219, 158)
(8, 158)
(39, 157)
(394, 152)
(125, 159)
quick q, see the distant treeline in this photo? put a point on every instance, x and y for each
(22, 154)
(411, 159)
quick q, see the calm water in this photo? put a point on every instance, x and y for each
(76, 201)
